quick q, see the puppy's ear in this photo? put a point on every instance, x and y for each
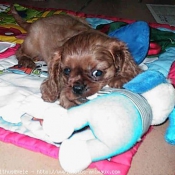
(126, 68)
(123, 60)
(50, 88)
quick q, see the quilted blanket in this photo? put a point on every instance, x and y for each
(20, 97)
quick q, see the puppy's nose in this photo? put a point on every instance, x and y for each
(78, 88)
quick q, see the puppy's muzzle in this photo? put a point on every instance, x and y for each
(78, 88)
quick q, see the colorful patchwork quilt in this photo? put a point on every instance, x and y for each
(20, 97)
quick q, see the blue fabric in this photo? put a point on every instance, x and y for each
(136, 35)
(145, 81)
(164, 62)
(94, 22)
(170, 132)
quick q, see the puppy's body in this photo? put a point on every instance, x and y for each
(80, 59)
(45, 35)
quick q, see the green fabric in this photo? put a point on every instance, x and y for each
(165, 39)
(26, 13)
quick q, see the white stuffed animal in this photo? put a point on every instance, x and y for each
(116, 121)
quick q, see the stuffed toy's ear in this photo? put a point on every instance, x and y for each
(162, 101)
(145, 81)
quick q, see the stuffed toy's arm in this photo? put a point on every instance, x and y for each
(162, 101)
(54, 125)
(157, 90)
(59, 124)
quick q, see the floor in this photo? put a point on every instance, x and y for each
(154, 157)
(131, 9)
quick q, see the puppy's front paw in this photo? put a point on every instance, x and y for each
(26, 62)
(64, 102)
(67, 104)
(48, 98)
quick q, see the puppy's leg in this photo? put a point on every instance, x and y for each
(24, 60)
(26, 55)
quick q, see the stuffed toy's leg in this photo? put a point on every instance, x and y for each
(81, 153)
(170, 132)
(76, 155)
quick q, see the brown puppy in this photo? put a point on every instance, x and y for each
(86, 63)
(80, 59)
(45, 35)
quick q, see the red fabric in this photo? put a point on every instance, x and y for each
(171, 74)
(28, 143)
(12, 31)
(154, 49)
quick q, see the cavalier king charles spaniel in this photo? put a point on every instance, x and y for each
(81, 60)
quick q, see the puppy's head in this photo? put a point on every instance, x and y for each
(88, 62)
(85, 70)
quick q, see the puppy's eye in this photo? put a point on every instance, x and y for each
(97, 73)
(67, 71)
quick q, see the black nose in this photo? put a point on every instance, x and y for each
(78, 88)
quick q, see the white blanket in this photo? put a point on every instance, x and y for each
(20, 97)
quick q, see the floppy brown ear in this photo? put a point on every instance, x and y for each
(126, 68)
(50, 88)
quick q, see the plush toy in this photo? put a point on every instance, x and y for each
(111, 123)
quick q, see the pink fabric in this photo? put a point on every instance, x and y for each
(9, 52)
(119, 164)
(171, 74)
(28, 143)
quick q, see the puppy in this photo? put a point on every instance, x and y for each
(45, 35)
(86, 63)
(81, 60)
